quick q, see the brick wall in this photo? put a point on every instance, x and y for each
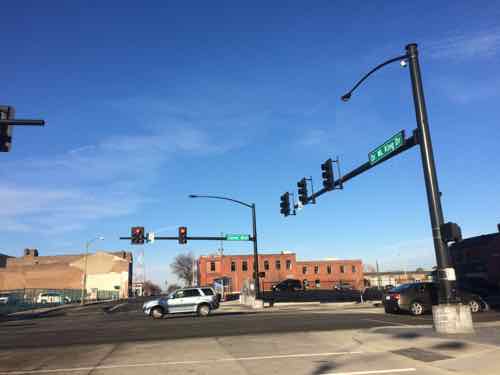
(278, 267)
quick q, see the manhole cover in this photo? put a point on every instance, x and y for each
(421, 354)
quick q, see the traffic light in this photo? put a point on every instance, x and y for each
(285, 204)
(451, 232)
(302, 185)
(327, 168)
(183, 235)
(137, 234)
(6, 113)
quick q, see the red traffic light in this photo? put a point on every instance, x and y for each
(183, 235)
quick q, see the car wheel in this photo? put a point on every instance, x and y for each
(203, 310)
(157, 312)
(44, 301)
(416, 308)
(475, 306)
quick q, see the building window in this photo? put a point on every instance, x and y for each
(288, 264)
(317, 284)
(244, 265)
(266, 265)
(233, 266)
(329, 269)
(353, 269)
(342, 269)
(212, 266)
(316, 269)
(278, 265)
(304, 270)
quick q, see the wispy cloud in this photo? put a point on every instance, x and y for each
(91, 182)
(466, 45)
(314, 137)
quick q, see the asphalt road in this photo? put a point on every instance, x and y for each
(101, 324)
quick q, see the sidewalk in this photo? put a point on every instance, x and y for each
(477, 354)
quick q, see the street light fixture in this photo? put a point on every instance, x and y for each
(254, 235)
(445, 271)
(84, 286)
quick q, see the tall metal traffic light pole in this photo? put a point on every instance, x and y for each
(449, 318)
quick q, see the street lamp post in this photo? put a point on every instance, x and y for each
(84, 284)
(254, 235)
(446, 274)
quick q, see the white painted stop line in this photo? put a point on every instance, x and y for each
(391, 371)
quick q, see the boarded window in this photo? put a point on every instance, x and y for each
(233, 266)
(342, 269)
(244, 265)
(353, 269)
(316, 269)
(288, 264)
(329, 269)
(278, 265)
(212, 266)
(266, 265)
(304, 270)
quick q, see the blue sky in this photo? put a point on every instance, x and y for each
(147, 104)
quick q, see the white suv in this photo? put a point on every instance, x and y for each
(188, 300)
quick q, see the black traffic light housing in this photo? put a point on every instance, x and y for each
(182, 235)
(328, 178)
(137, 234)
(302, 190)
(451, 232)
(6, 113)
(285, 204)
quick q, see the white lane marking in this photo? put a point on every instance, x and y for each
(154, 364)
(391, 371)
(117, 306)
(386, 322)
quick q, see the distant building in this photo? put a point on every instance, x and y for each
(394, 278)
(232, 271)
(106, 271)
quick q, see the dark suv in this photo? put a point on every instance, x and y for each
(288, 285)
(418, 298)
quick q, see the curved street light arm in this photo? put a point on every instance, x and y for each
(222, 198)
(347, 96)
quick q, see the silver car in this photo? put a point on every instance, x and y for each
(188, 300)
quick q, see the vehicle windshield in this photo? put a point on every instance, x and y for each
(402, 287)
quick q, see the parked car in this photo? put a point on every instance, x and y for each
(418, 298)
(7, 299)
(187, 300)
(287, 285)
(52, 297)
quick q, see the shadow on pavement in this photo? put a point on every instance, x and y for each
(30, 316)
(451, 345)
(213, 315)
(324, 367)
(407, 335)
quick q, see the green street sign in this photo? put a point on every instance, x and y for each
(391, 145)
(237, 237)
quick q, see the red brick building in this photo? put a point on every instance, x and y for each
(321, 274)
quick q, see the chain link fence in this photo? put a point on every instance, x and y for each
(27, 299)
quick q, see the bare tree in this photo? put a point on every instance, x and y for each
(151, 289)
(172, 288)
(182, 267)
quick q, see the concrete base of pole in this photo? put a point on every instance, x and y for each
(452, 319)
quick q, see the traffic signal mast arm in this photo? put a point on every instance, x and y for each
(207, 238)
(408, 143)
